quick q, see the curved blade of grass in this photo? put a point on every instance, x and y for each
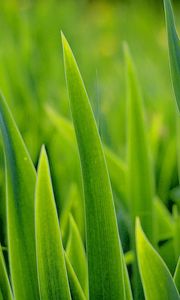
(177, 275)
(75, 287)
(20, 185)
(174, 49)
(76, 254)
(4, 281)
(103, 244)
(53, 282)
(157, 281)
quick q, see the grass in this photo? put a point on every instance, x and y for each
(85, 218)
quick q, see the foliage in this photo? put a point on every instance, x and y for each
(98, 225)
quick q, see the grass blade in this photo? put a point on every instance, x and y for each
(117, 171)
(127, 284)
(139, 173)
(176, 217)
(53, 282)
(177, 275)
(4, 281)
(174, 49)
(157, 281)
(139, 168)
(116, 167)
(103, 244)
(75, 287)
(164, 221)
(74, 205)
(76, 254)
(20, 185)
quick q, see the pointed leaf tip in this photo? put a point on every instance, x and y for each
(174, 49)
(156, 279)
(53, 282)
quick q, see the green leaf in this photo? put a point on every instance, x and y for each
(75, 287)
(116, 167)
(63, 125)
(1, 296)
(103, 244)
(74, 205)
(53, 282)
(164, 221)
(117, 172)
(5, 287)
(140, 190)
(157, 281)
(76, 254)
(127, 284)
(20, 186)
(176, 217)
(167, 169)
(174, 49)
(177, 275)
(139, 168)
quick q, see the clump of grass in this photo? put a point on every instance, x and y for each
(79, 254)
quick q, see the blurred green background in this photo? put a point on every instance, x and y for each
(32, 76)
(31, 66)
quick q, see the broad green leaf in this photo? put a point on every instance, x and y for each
(53, 282)
(20, 186)
(177, 275)
(174, 49)
(139, 175)
(75, 287)
(76, 254)
(156, 279)
(103, 245)
(5, 287)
